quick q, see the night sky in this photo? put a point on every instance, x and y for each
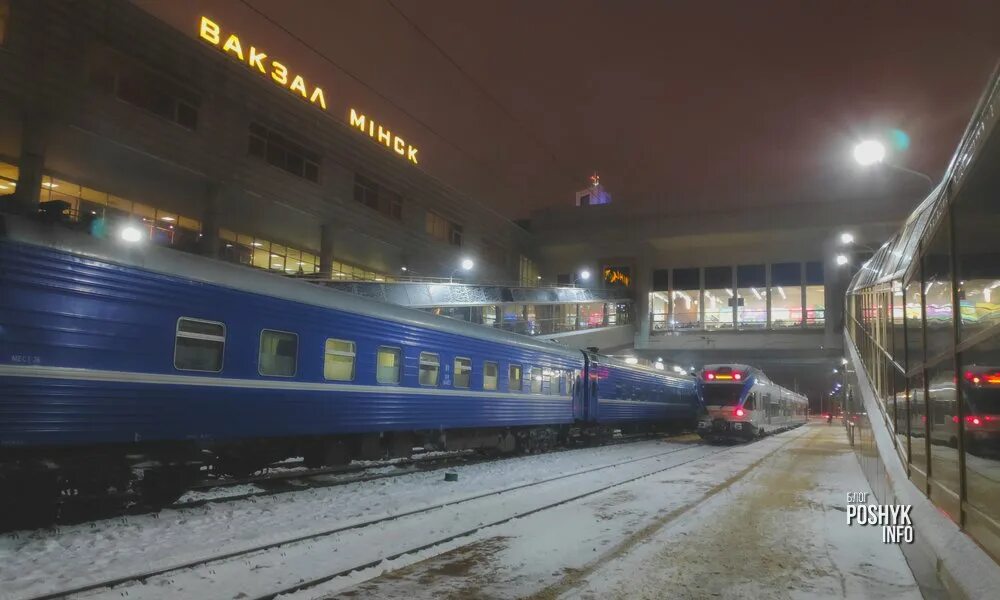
(679, 105)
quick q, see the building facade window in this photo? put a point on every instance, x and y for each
(719, 298)
(786, 295)
(4, 20)
(443, 230)
(686, 297)
(527, 272)
(143, 88)
(277, 150)
(751, 290)
(371, 194)
(815, 293)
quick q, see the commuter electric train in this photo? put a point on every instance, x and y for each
(980, 392)
(129, 368)
(743, 404)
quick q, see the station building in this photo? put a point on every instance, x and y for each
(212, 148)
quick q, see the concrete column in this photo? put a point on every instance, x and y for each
(326, 238)
(31, 164)
(211, 209)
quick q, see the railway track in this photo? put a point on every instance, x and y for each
(152, 581)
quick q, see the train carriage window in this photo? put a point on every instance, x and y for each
(199, 345)
(567, 386)
(338, 360)
(750, 401)
(491, 373)
(278, 353)
(535, 379)
(463, 372)
(430, 367)
(387, 365)
(551, 379)
(514, 375)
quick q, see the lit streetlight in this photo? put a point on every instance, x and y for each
(842, 260)
(131, 234)
(872, 152)
(466, 265)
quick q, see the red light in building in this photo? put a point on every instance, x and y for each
(740, 412)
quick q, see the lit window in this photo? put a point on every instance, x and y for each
(278, 352)
(463, 372)
(535, 377)
(514, 378)
(199, 345)
(490, 375)
(430, 366)
(387, 368)
(338, 360)
(443, 230)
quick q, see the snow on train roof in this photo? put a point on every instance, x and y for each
(199, 268)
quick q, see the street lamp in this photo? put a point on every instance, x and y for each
(466, 265)
(871, 152)
(846, 238)
(842, 260)
(130, 234)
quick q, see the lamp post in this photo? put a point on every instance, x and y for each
(872, 152)
(581, 275)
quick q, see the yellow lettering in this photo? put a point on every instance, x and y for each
(209, 31)
(257, 59)
(383, 135)
(357, 120)
(318, 93)
(299, 85)
(399, 146)
(411, 155)
(233, 45)
(279, 72)
(371, 128)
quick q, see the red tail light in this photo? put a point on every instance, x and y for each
(740, 412)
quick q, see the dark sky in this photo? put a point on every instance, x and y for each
(678, 104)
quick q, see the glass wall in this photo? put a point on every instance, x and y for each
(724, 298)
(930, 342)
(786, 295)
(719, 298)
(751, 284)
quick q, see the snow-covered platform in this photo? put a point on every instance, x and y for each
(765, 521)
(655, 519)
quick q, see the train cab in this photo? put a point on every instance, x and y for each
(741, 404)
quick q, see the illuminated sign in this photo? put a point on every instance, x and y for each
(258, 61)
(380, 134)
(617, 275)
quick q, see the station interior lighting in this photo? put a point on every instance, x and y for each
(131, 234)
(869, 152)
(404, 269)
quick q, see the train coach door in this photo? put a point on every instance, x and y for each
(585, 392)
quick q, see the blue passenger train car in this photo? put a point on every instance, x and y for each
(117, 358)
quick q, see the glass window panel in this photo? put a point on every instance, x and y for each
(430, 366)
(918, 423)
(786, 306)
(463, 372)
(913, 314)
(199, 345)
(8, 171)
(338, 360)
(94, 196)
(278, 352)
(751, 282)
(815, 305)
(938, 307)
(535, 377)
(943, 416)
(142, 210)
(719, 298)
(387, 365)
(187, 223)
(980, 391)
(514, 377)
(686, 299)
(490, 375)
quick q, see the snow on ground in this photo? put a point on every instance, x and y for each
(36, 562)
(765, 521)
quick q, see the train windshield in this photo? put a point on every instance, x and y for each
(985, 401)
(722, 394)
